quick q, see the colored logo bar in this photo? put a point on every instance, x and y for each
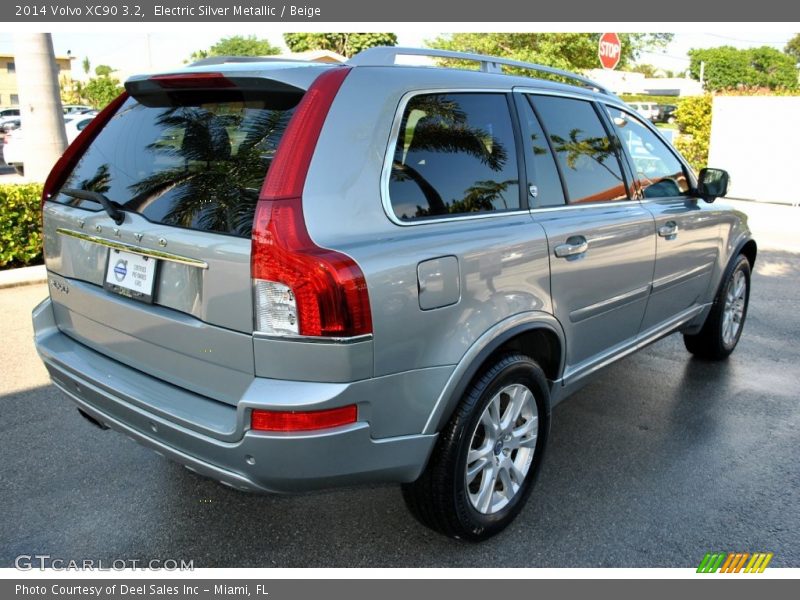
(734, 562)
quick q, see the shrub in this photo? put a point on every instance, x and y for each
(694, 122)
(20, 225)
(648, 98)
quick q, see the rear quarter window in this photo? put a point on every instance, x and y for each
(455, 154)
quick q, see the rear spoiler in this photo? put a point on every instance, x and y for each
(205, 81)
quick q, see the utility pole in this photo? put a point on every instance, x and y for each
(41, 113)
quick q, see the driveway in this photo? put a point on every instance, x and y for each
(659, 461)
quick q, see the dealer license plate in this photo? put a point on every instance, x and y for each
(131, 275)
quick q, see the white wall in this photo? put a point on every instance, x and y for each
(757, 140)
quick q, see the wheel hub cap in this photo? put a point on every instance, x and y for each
(501, 449)
(733, 311)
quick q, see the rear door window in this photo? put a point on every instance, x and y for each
(543, 180)
(586, 155)
(188, 159)
(455, 154)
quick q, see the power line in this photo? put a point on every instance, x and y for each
(655, 53)
(733, 39)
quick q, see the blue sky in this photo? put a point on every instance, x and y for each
(128, 51)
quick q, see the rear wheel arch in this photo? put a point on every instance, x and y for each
(540, 338)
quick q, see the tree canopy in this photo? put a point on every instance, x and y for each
(571, 51)
(103, 71)
(238, 45)
(727, 67)
(97, 92)
(346, 44)
(793, 48)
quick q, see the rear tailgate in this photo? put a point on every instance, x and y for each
(185, 159)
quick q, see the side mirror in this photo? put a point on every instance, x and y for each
(712, 184)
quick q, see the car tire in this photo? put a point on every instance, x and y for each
(723, 327)
(502, 445)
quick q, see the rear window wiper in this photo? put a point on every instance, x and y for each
(111, 207)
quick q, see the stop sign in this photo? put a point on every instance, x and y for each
(609, 50)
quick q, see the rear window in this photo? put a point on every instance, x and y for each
(188, 159)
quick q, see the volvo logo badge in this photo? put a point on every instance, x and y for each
(120, 270)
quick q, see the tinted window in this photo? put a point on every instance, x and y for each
(455, 154)
(585, 154)
(194, 160)
(541, 166)
(82, 124)
(659, 173)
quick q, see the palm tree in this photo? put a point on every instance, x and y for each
(212, 185)
(598, 149)
(444, 128)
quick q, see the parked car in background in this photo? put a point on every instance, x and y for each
(8, 114)
(291, 276)
(10, 124)
(70, 109)
(13, 141)
(649, 110)
(665, 113)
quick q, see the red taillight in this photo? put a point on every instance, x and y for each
(75, 150)
(287, 173)
(180, 81)
(269, 420)
(328, 287)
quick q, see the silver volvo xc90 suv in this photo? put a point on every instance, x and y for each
(289, 276)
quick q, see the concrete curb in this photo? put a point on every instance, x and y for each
(22, 276)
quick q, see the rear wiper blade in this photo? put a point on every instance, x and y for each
(111, 207)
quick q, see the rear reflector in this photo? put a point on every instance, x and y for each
(268, 420)
(75, 150)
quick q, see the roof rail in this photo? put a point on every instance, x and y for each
(221, 60)
(387, 55)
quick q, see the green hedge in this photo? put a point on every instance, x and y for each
(647, 98)
(20, 225)
(694, 122)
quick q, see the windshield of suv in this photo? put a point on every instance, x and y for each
(188, 159)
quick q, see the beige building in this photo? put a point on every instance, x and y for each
(627, 82)
(8, 77)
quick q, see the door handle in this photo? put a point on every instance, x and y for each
(574, 246)
(668, 230)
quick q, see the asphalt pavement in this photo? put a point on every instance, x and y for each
(660, 460)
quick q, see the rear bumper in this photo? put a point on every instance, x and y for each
(212, 438)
